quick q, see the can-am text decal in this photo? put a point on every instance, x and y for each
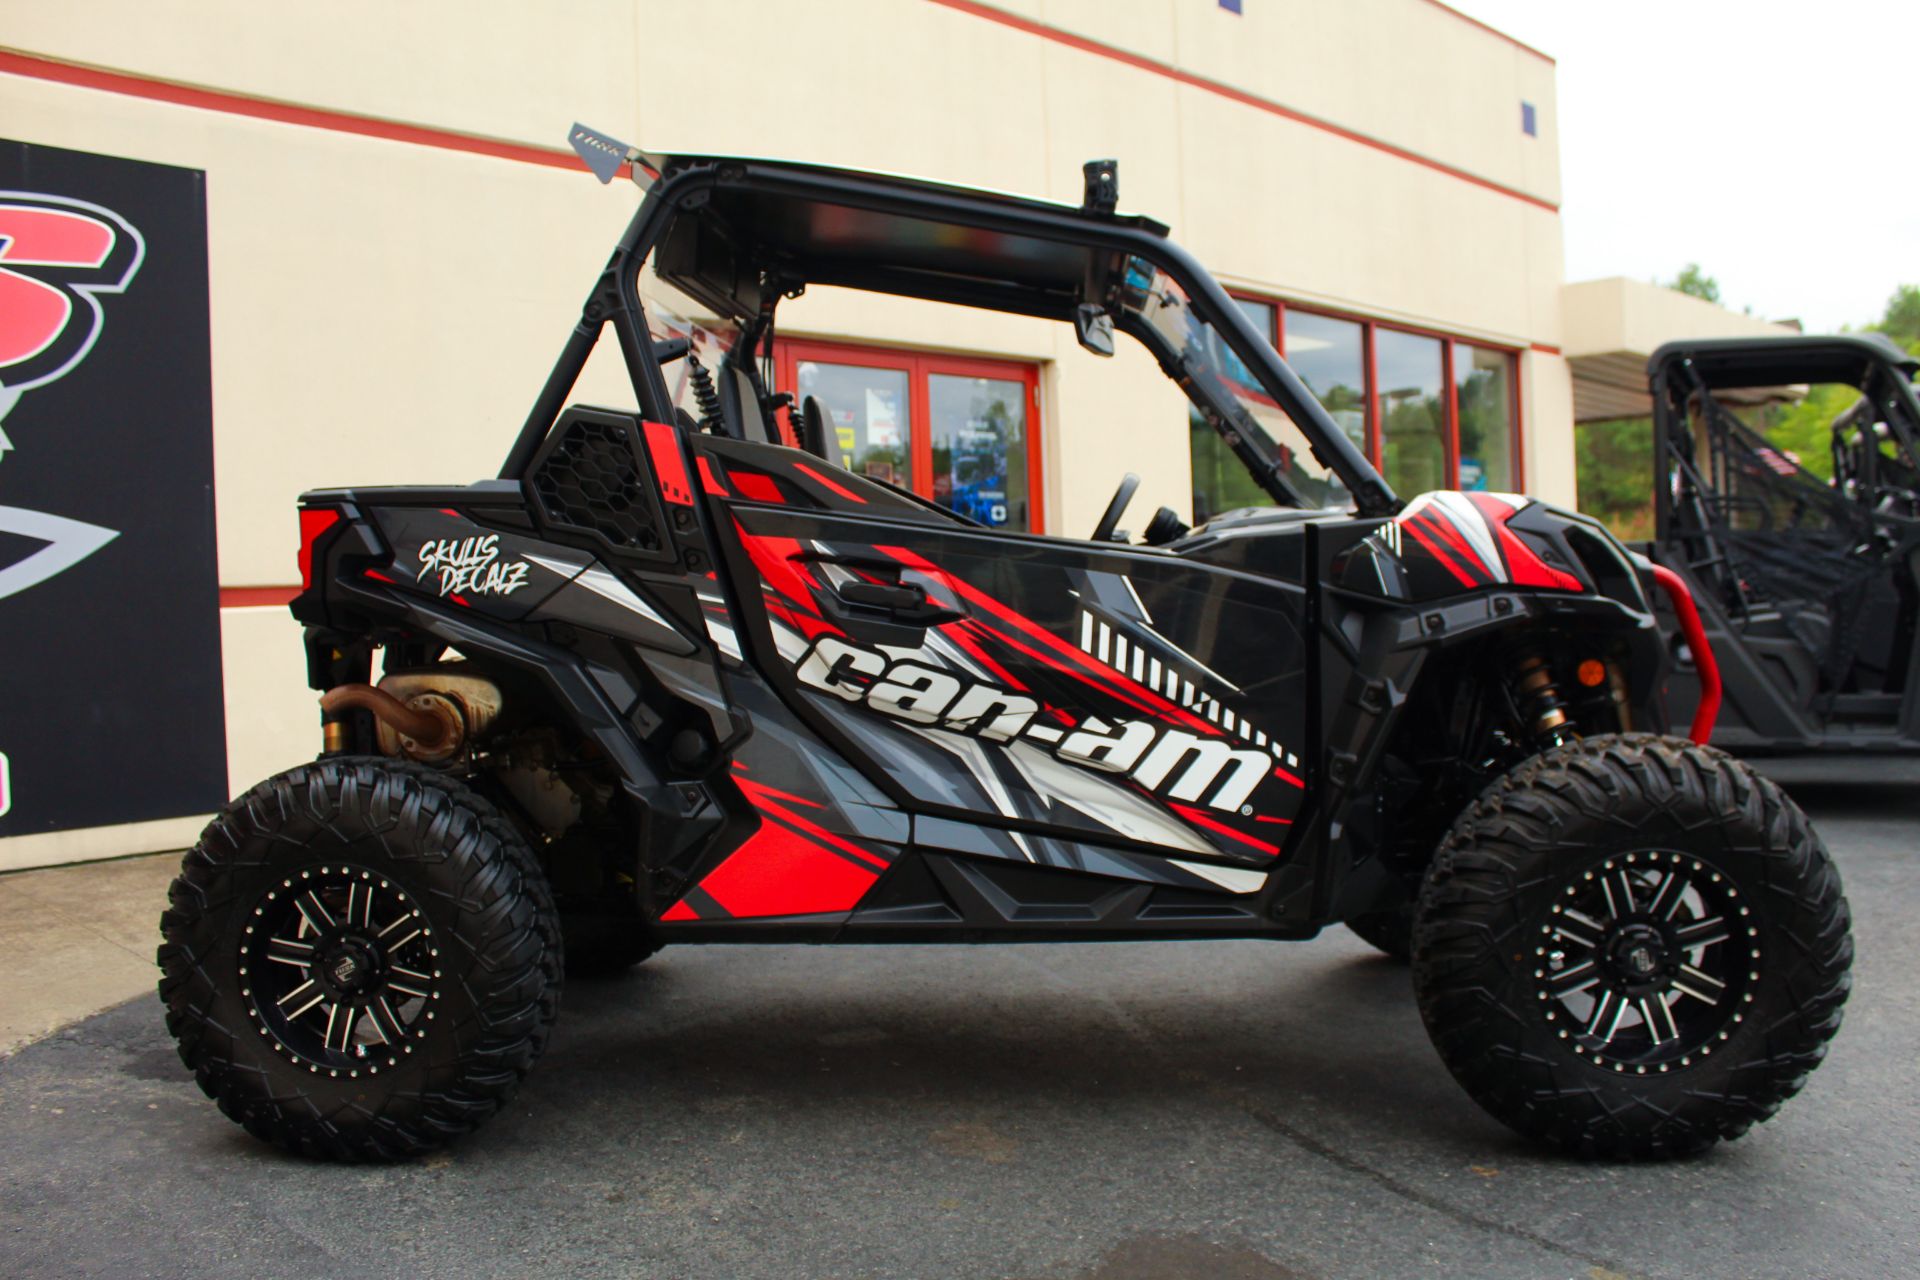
(1182, 765)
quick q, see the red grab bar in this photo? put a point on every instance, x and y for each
(1703, 660)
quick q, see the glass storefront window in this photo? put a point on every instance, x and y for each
(1413, 426)
(978, 429)
(959, 430)
(870, 416)
(1483, 387)
(1329, 354)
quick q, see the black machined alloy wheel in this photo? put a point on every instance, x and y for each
(1632, 947)
(339, 968)
(1649, 962)
(361, 959)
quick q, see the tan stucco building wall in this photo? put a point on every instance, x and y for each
(384, 308)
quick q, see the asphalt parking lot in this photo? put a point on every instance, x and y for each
(1239, 1110)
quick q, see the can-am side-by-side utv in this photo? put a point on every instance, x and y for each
(1808, 584)
(683, 675)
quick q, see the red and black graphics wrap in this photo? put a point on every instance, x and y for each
(677, 624)
(1023, 698)
(1446, 543)
(823, 834)
(439, 553)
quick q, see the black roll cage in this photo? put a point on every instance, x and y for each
(686, 182)
(1688, 372)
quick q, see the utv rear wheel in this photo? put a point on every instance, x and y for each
(361, 960)
(1389, 932)
(1632, 947)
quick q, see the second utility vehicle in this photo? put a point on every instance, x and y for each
(1806, 570)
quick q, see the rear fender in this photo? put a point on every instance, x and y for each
(678, 816)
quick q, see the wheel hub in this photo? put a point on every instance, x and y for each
(1637, 957)
(338, 968)
(1647, 962)
(349, 967)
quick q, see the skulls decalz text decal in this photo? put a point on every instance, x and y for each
(471, 566)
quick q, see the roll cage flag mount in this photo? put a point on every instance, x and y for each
(615, 299)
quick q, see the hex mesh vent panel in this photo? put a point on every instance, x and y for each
(591, 481)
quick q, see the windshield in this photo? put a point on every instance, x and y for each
(1222, 386)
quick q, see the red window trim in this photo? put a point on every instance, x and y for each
(918, 366)
(1369, 326)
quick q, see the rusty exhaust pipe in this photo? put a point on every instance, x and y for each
(430, 727)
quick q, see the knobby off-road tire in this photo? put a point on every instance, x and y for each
(1618, 852)
(414, 912)
(1389, 932)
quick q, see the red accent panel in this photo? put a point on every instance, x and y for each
(1704, 662)
(840, 489)
(710, 478)
(1192, 814)
(378, 576)
(755, 487)
(669, 467)
(805, 827)
(780, 873)
(1289, 779)
(314, 521)
(1526, 568)
(679, 911)
(1524, 565)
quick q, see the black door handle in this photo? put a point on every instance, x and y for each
(904, 603)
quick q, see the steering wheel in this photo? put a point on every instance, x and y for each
(1110, 518)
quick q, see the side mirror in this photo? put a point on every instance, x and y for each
(1093, 328)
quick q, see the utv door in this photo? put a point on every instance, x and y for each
(1060, 702)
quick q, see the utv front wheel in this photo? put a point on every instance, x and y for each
(1632, 947)
(361, 960)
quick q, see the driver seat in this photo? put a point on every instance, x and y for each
(742, 406)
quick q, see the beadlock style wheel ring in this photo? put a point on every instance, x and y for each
(338, 968)
(1647, 962)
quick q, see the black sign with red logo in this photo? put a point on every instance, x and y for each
(110, 693)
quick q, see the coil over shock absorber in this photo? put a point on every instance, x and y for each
(1541, 707)
(704, 394)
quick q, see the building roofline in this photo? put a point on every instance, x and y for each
(1521, 45)
(1140, 61)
